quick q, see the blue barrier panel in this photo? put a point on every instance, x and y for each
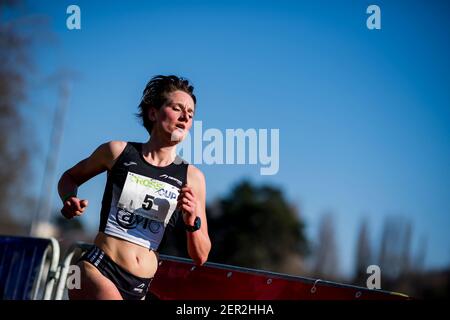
(22, 267)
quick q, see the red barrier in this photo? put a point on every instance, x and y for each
(180, 279)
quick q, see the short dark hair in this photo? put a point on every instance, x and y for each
(155, 95)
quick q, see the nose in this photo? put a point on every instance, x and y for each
(184, 116)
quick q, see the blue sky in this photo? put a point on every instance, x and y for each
(363, 114)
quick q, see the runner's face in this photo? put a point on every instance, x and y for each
(176, 116)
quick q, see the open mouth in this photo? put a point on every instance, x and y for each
(181, 126)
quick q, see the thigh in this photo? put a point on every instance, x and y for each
(94, 285)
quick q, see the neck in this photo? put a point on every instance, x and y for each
(157, 153)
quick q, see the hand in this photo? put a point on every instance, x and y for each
(74, 207)
(187, 202)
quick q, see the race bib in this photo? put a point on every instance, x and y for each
(146, 198)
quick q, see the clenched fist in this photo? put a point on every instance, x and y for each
(74, 207)
(187, 202)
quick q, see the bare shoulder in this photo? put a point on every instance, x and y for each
(115, 147)
(108, 152)
(195, 177)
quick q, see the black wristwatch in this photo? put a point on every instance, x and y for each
(195, 227)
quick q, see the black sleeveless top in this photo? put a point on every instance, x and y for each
(140, 199)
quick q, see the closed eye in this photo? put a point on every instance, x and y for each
(178, 107)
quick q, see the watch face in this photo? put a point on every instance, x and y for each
(197, 223)
(196, 226)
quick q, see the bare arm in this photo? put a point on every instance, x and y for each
(192, 200)
(100, 160)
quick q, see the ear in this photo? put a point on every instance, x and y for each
(152, 114)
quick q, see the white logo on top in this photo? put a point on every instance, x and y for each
(139, 288)
(171, 178)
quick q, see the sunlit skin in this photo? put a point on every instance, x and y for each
(175, 116)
